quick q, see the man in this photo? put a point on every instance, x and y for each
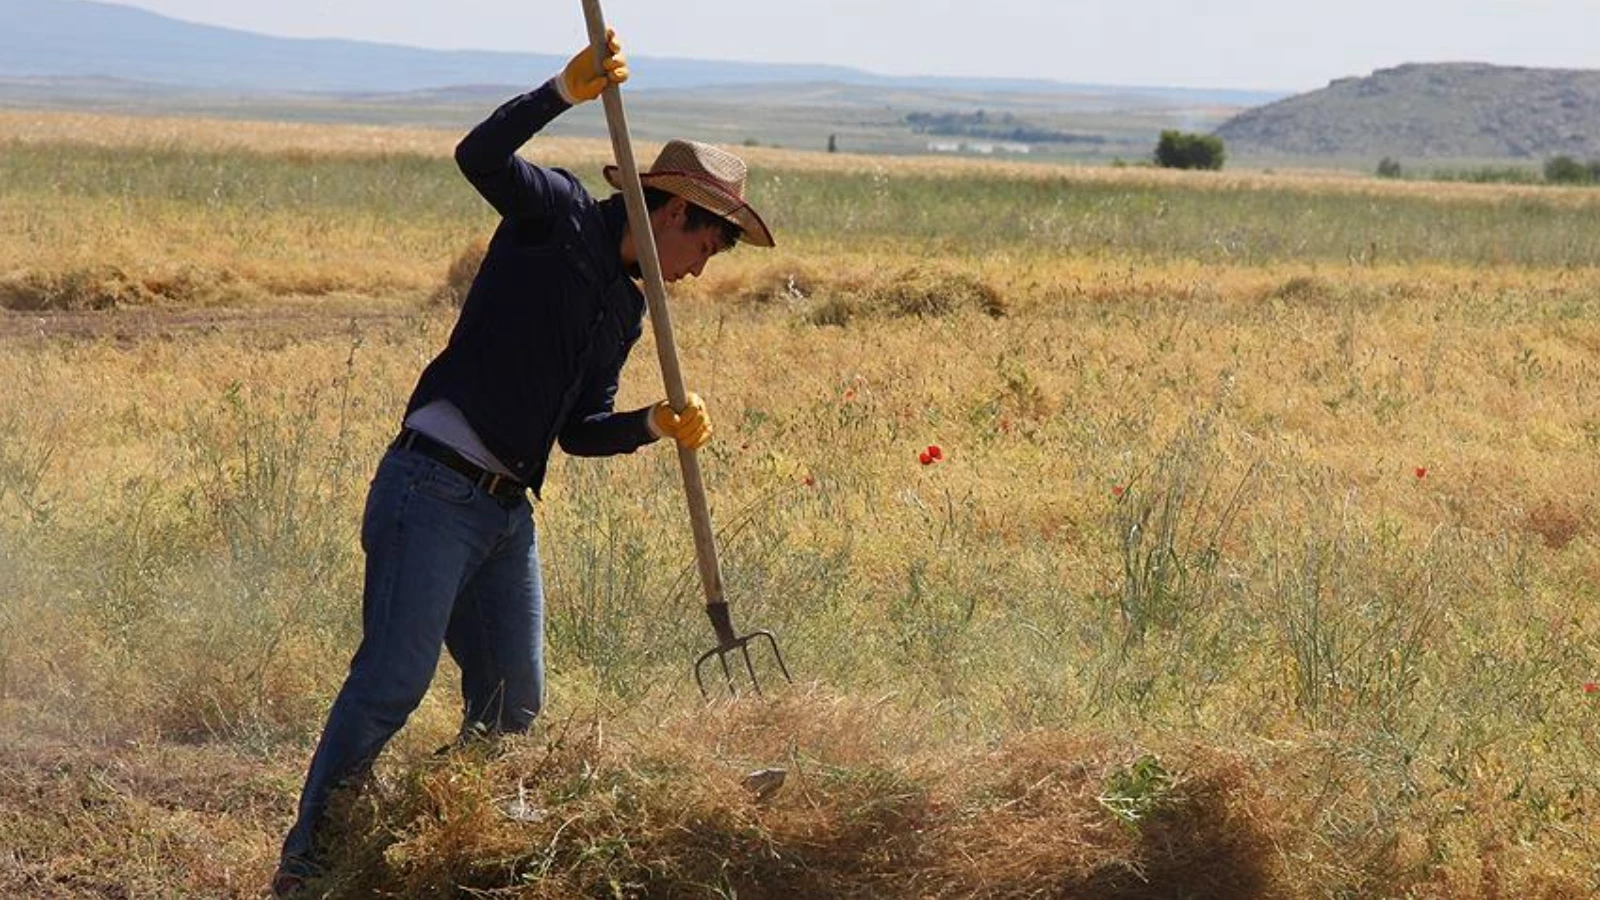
(533, 360)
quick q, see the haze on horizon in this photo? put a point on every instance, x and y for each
(1247, 44)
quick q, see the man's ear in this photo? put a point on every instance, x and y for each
(668, 213)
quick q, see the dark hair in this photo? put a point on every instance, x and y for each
(698, 217)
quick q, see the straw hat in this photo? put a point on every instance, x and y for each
(706, 176)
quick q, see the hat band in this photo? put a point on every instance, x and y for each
(702, 179)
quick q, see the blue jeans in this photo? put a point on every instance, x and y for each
(447, 565)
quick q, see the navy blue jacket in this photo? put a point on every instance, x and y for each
(550, 318)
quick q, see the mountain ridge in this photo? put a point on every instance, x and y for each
(83, 38)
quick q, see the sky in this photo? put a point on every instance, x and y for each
(1290, 45)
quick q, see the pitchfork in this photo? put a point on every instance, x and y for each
(655, 292)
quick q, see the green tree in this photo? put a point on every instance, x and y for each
(1388, 167)
(1566, 170)
(1181, 150)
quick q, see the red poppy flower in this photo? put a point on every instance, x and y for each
(924, 458)
(1422, 471)
(1117, 490)
(935, 452)
(1590, 687)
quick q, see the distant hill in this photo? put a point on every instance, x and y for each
(1438, 110)
(80, 39)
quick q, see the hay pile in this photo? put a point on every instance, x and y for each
(840, 296)
(660, 811)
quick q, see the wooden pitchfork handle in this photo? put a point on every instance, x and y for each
(655, 293)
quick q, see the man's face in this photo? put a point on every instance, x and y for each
(683, 252)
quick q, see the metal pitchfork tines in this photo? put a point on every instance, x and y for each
(729, 642)
(655, 292)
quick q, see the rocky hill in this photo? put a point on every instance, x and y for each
(1435, 110)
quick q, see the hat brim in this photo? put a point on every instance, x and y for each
(705, 193)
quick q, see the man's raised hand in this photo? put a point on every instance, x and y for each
(581, 81)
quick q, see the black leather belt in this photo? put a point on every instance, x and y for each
(493, 483)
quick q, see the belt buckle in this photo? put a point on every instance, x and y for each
(491, 482)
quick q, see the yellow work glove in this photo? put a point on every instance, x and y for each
(580, 81)
(691, 428)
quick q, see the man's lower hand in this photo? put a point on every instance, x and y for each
(690, 428)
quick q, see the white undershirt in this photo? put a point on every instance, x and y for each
(443, 422)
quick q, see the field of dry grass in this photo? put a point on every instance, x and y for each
(1261, 562)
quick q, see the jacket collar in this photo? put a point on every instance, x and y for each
(614, 213)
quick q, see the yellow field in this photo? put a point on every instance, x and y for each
(1265, 576)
